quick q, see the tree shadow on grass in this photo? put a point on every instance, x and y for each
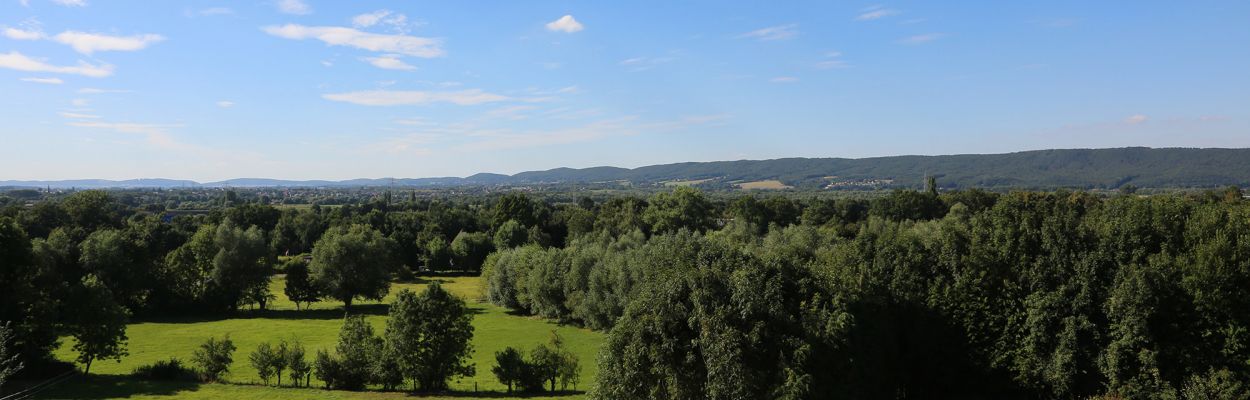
(497, 395)
(114, 387)
(323, 314)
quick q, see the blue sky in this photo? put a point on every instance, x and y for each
(308, 89)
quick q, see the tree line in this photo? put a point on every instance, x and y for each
(966, 293)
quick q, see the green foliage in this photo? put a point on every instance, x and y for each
(357, 350)
(299, 285)
(213, 358)
(510, 234)
(165, 370)
(353, 262)
(269, 361)
(683, 208)
(99, 327)
(430, 334)
(300, 368)
(510, 367)
(469, 250)
(9, 364)
(26, 302)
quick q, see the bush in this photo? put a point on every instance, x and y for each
(166, 370)
(213, 358)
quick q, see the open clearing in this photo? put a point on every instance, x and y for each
(688, 182)
(769, 184)
(317, 328)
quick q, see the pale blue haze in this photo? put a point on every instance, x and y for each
(224, 91)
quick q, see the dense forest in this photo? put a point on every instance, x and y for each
(908, 294)
(1042, 169)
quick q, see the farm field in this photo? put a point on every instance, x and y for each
(768, 184)
(315, 327)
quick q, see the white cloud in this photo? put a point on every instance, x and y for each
(921, 39)
(390, 61)
(87, 43)
(23, 34)
(80, 102)
(340, 36)
(1136, 119)
(101, 91)
(78, 116)
(773, 33)
(784, 79)
(17, 61)
(566, 24)
(49, 81)
(832, 60)
(382, 17)
(876, 12)
(225, 104)
(415, 97)
(71, 3)
(295, 7)
(645, 63)
(415, 121)
(216, 11)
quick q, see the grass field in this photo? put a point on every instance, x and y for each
(316, 327)
(770, 184)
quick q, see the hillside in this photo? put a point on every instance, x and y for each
(1041, 169)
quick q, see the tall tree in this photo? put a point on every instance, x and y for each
(431, 335)
(299, 285)
(9, 364)
(99, 326)
(684, 207)
(353, 262)
(509, 367)
(470, 250)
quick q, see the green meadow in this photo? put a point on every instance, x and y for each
(316, 327)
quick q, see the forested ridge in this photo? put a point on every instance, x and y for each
(910, 294)
(1041, 169)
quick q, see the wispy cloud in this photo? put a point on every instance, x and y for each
(46, 81)
(88, 43)
(415, 97)
(341, 36)
(784, 79)
(225, 104)
(89, 90)
(832, 60)
(23, 34)
(390, 61)
(293, 7)
(1136, 119)
(779, 32)
(398, 22)
(20, 62)
(645, 63)
(921, 39)
(566, 24)
(155, 134)
(78, 115)
(875, 12)
(71, 3)
(213, 11)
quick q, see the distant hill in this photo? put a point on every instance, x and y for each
(1042, 169)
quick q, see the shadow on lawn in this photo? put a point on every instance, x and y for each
(497, 395)
(334, 313)
(115, 386)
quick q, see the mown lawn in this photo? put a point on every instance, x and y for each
(316, 327)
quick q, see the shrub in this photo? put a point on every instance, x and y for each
(165, 370)
(214, 357)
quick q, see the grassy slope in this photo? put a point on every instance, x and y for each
(316, 328)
